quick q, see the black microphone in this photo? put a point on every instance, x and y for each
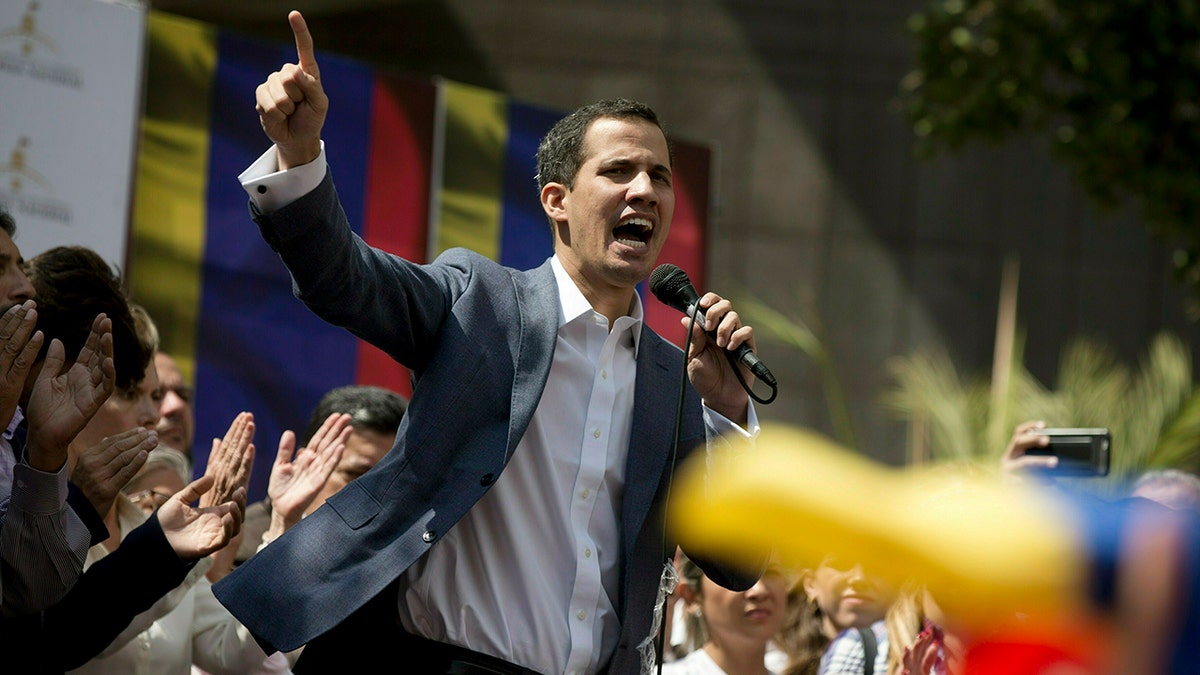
(672, 287)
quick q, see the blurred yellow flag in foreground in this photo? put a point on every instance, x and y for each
(983, 548)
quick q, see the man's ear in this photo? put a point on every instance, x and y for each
(554, 201)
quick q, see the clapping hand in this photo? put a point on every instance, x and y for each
(63, 399)
(194, 532)
(103, 469)
(230, 461)
(20, 348)
(296, 480)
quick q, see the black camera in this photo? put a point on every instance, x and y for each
(1080, 452)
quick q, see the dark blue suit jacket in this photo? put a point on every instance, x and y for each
(479, 339)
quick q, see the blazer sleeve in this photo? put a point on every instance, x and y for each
(395, 304)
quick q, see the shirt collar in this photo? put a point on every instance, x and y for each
(573, 305)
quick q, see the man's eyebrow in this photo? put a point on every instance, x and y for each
(625, 161)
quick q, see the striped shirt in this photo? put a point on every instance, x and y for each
(43, 542)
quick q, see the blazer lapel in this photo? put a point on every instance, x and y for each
(656, 393)
(538, 309)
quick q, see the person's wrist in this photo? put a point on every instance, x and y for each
(281, 520)
(48, 459)
(297, 154)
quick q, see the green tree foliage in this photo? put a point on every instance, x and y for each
(1114, 86)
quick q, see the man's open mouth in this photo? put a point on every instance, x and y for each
(635, 232)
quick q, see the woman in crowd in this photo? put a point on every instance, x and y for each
(729, 632)
(840, 628)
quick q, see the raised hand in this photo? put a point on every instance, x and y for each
(64, 399)
(196, 532)
(20, 347)
(708, 367)
(292, 103)
(103, 469)
(296, 481)
(230, 461)
(1015, 463)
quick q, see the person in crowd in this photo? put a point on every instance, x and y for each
(165, 472)
(177, 416)
(50, 523)
(853, 604)
(187, 626)
(83, 310)
(527, 476)
(730, 632)
(327, 461)
(43, 535)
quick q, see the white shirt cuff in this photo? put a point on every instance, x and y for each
(271, 189)
(723, 425)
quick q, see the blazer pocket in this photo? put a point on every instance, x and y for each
(354, 505)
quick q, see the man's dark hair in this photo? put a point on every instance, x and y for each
(560, 154)
(7, 223)
(73, 285)
(370, 408)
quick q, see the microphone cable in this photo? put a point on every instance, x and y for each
(669, 556)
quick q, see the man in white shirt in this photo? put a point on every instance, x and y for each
(516, 525)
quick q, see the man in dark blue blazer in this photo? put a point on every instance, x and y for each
(516, 524)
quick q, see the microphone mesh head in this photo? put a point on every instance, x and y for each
(669, 284)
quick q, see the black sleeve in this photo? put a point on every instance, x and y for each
(100, 605)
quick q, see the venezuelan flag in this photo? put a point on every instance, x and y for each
(420, 166)
(222, 300)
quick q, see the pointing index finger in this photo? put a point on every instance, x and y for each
(304, 45)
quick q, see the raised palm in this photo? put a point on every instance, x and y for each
(64, 399)
(297, 478)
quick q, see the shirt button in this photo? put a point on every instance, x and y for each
(262, 189)
(596, 433)
(586, 493)
(587, 552)
(428, 536)
(604, 374)
(582, 615)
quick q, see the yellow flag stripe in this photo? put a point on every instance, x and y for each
(468, 207)
(171, 183)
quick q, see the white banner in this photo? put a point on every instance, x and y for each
(70, 101)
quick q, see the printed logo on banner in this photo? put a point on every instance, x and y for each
(26, 49)
(26, 191)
